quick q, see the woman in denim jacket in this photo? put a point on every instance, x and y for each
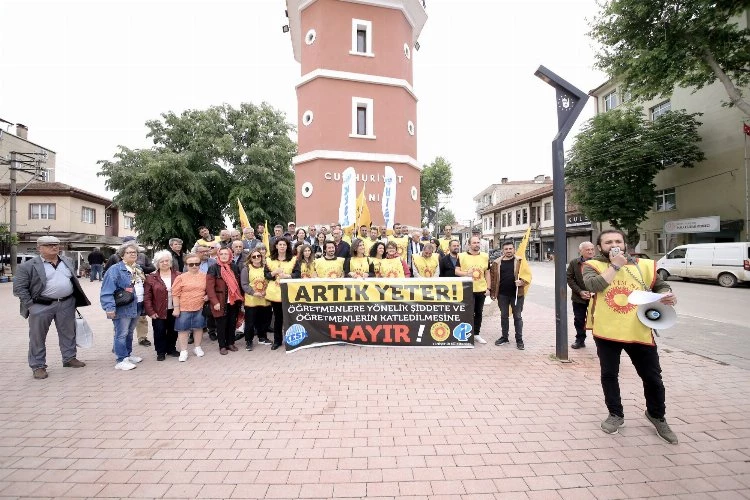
(129, 276)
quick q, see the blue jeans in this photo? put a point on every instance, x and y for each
(124, 328)
(96, 272)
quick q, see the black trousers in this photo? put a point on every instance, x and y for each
(579, 320)
(506, 303)
(278, 319)
(225, 325)
(645, 359)
(165, 336)
(478, 310)
(256, 322)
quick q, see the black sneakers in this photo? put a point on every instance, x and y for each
(501, 341)
(578, 345)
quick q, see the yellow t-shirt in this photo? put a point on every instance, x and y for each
(273, 292)
(445, 245)
(333, 268)
(401, 244)
(203, 243)
(307, 270)
(376, 266)
(476, 265)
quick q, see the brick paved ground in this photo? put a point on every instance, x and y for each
(348, 422)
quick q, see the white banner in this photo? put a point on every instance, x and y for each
(697, 225)
(389, 197)
(348, 206)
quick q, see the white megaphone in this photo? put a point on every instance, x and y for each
(657, 315)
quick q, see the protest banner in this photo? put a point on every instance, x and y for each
(435, 312)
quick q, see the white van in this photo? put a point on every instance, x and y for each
(728, 263)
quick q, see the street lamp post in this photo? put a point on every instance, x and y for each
(570, 102)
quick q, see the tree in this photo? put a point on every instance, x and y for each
(201, 162)
(654, 45)
(445, 217)
(436, 180)
(611, 167)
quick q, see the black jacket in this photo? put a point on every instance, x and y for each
(447, 268)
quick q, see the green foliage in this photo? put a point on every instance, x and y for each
(436, 180)
(654, 45)
(611, 167)
(444, 218)
(201, 162)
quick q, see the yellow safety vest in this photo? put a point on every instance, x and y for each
(259, 283)
(401, 244)
(610, 316)
(476, 265)
(391, 268)
(376, 266)
(273, 292)
(333, 268)
(307, 270)
(427, 268)
(445, 245)
(360, 265)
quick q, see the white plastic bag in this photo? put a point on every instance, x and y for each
(84, 334)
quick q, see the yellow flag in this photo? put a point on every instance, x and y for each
(363, 211)
(265, 238)
(244, 223)
(524, 269)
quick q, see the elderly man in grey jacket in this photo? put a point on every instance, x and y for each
(48, 289)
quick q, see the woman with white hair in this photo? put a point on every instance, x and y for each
(124, 278)
(158, 304)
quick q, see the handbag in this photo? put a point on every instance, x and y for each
(206, 311)
(123, 297)
(84, 334)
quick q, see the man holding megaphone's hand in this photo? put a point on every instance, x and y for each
(615, 326)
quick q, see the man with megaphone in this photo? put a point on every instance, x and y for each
(615, 326)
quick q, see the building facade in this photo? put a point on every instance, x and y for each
(707, 203)
(496, 194)
(39, 161)
(356, 104)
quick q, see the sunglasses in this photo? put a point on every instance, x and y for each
(255, 256)
(193, 264)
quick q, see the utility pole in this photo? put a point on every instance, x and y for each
(31, 166)
(13, 214)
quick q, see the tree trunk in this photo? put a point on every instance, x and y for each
(734, 95)
(633, 237)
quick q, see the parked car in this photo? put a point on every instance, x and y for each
(727, 263)
(20, 258)
(639, 255)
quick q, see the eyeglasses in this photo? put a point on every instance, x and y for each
(255, 256)
(50, 245)
(130, 253)
(193, 264)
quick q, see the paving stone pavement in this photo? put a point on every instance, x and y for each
(351, 422)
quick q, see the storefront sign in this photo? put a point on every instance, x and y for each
(574, 220)
(378, 312)
(698, 225)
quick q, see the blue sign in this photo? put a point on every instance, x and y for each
(462, 332)
(295, 334)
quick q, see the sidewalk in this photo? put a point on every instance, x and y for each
(349, 422)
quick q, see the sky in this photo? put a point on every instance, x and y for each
(85, 77)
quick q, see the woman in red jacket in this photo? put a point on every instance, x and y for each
(157, 301)
(225, 295)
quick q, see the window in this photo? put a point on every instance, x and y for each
(677, 253)
(524, 216)
(88, 215)
(361, 38)
(660, 109)
(534, 214)
(611, 101)
(661, 243)
(518, 217)
(503, 222)
(107, 219)
(666, 200)
(42, 211)
(362, 118)
(129, 222)
(548, 211)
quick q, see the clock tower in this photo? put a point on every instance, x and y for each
(356, 106)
